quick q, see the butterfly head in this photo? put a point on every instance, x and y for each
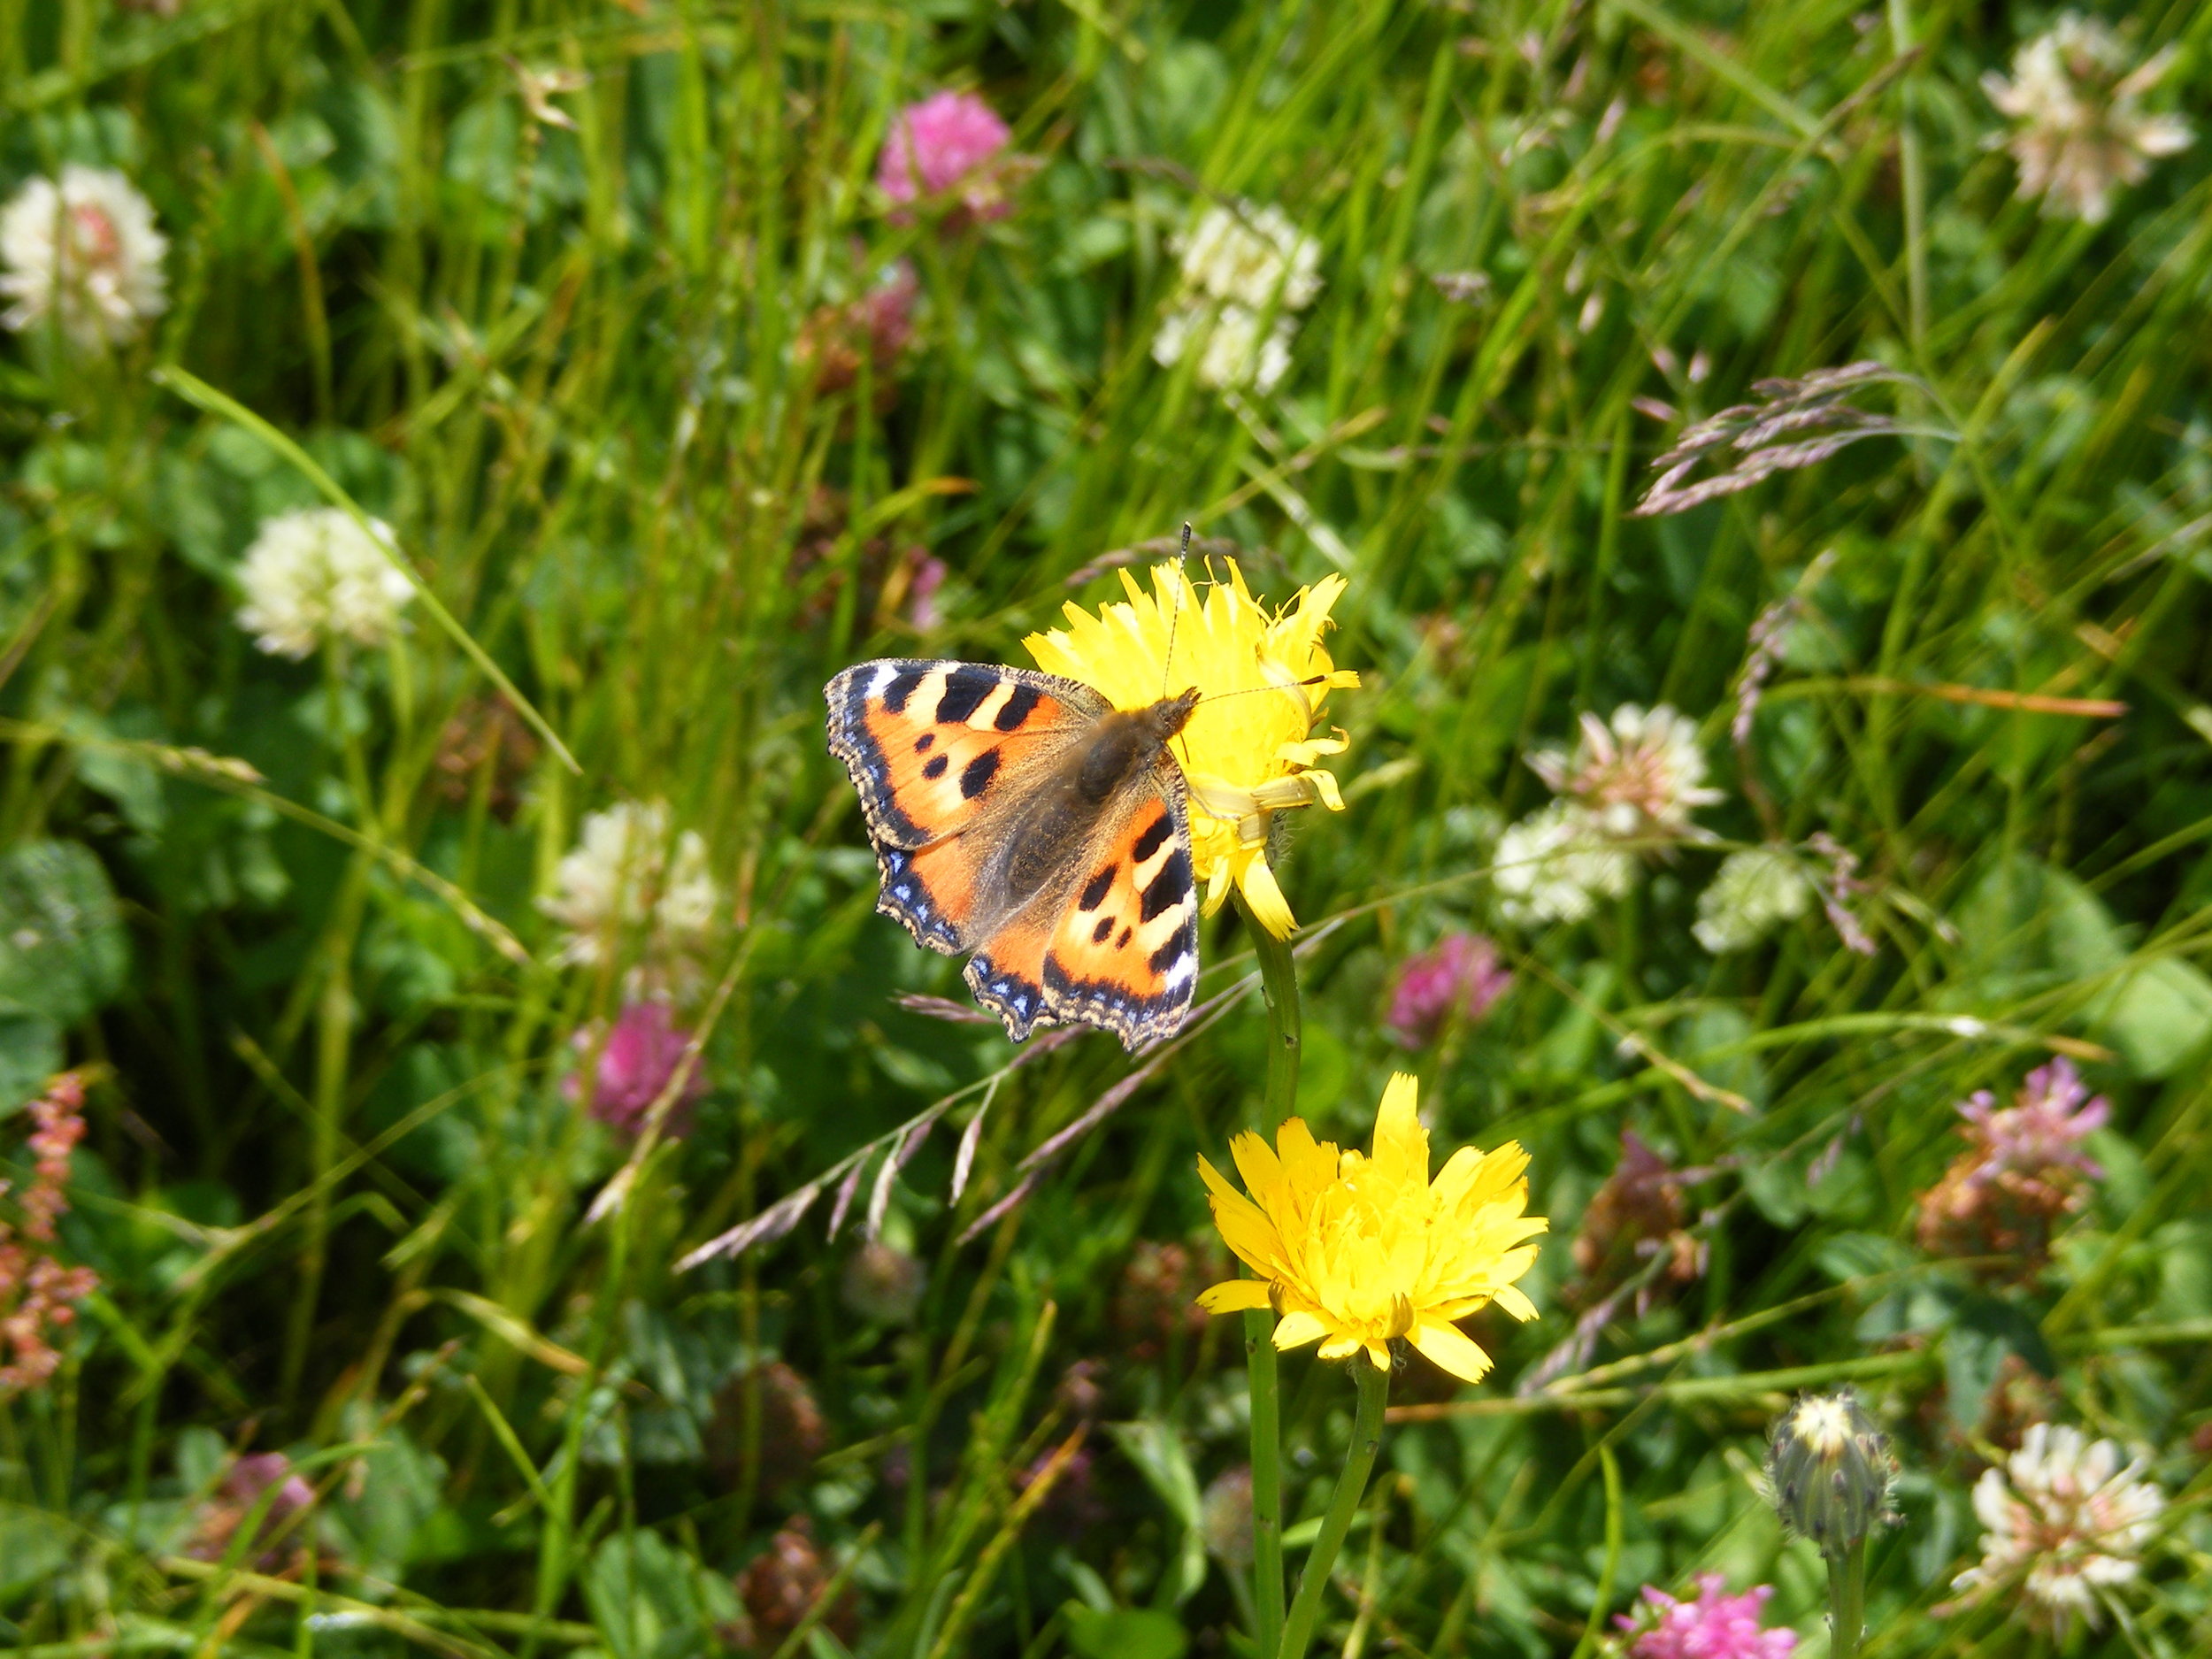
(1170, 714)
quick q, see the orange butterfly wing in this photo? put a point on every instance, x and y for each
(945, 756)
(938, 749)
(1124, 954)
(1114, 943)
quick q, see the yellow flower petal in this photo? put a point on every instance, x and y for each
(1360, 1247)
(1263, 677)
(1401, 1145)
(1256, 1162)
(1448, 1346)
(1265, 900)
(1242, 1225)
(1296, 1328)
(1511, 1298)
(1307, 1165)
(1235, 1295)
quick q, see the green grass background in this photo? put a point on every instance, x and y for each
(332, 1187)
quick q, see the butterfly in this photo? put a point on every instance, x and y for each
(1020, 819)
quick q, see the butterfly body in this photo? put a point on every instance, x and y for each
(1018, 818)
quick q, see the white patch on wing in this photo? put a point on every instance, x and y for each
(1141, 875)
(987, 710)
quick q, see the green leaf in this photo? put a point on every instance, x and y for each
(30, 1052)
(643, 1594)
(401, 1488)
(1849, 1256)
(32, 1548)
(2158, 1016)
(1127, 1632)
(121, 775)
(61, 948)
(1982, 1334)
(1712, 1030)
(2026, 925)
(1156, 1449)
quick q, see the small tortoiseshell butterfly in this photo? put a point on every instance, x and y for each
(1018, 816)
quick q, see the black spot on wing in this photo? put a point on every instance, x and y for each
(976, 776)
(1151, 841)
(936, 765)
(1095, 890)
(966, 687)
(1169, 954)
(1016, 708)
(922, 744)
(1170, 887)
(1123, 942)
(1105, 926)
(902, 686)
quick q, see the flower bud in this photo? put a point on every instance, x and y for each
(883, 1285)
(1829, 1471)
(1225, 1518)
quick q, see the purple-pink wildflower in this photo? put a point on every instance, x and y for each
(2024, 1169)
(250, 1482)
(2040, 1131)
(638, 1057)
(38, 1292)
(1459, 972)
(951, 139)
(1713, 1626)
(875, 329)
(928, 575)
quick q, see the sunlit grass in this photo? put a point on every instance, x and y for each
(576, 299)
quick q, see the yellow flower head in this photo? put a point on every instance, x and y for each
(1246, 757)
(1354, 1250)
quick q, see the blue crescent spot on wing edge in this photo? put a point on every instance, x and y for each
(906, 898)
(1134, 1017)
(1016, 1001)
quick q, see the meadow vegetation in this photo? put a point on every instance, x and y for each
(483, 1181)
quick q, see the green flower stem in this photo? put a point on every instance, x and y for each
(1914, 171)
(1351, 1485)
(1846, 1602)
(1279, 979)
(1267, 1481)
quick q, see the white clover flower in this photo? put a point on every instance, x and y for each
(82, 250)
(1245, 276)
(627, 871)
(2065, 1522)
(1235, 352)
(316, 574)
(1752, 894)
(2080, 133)
(1254, 258)
(1639, 776)
(1555, 863)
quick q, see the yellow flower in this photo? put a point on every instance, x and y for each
(1246, 757)
(1354, 1250)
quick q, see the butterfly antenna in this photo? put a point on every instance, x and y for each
(1167, 662)
(1250, 691)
